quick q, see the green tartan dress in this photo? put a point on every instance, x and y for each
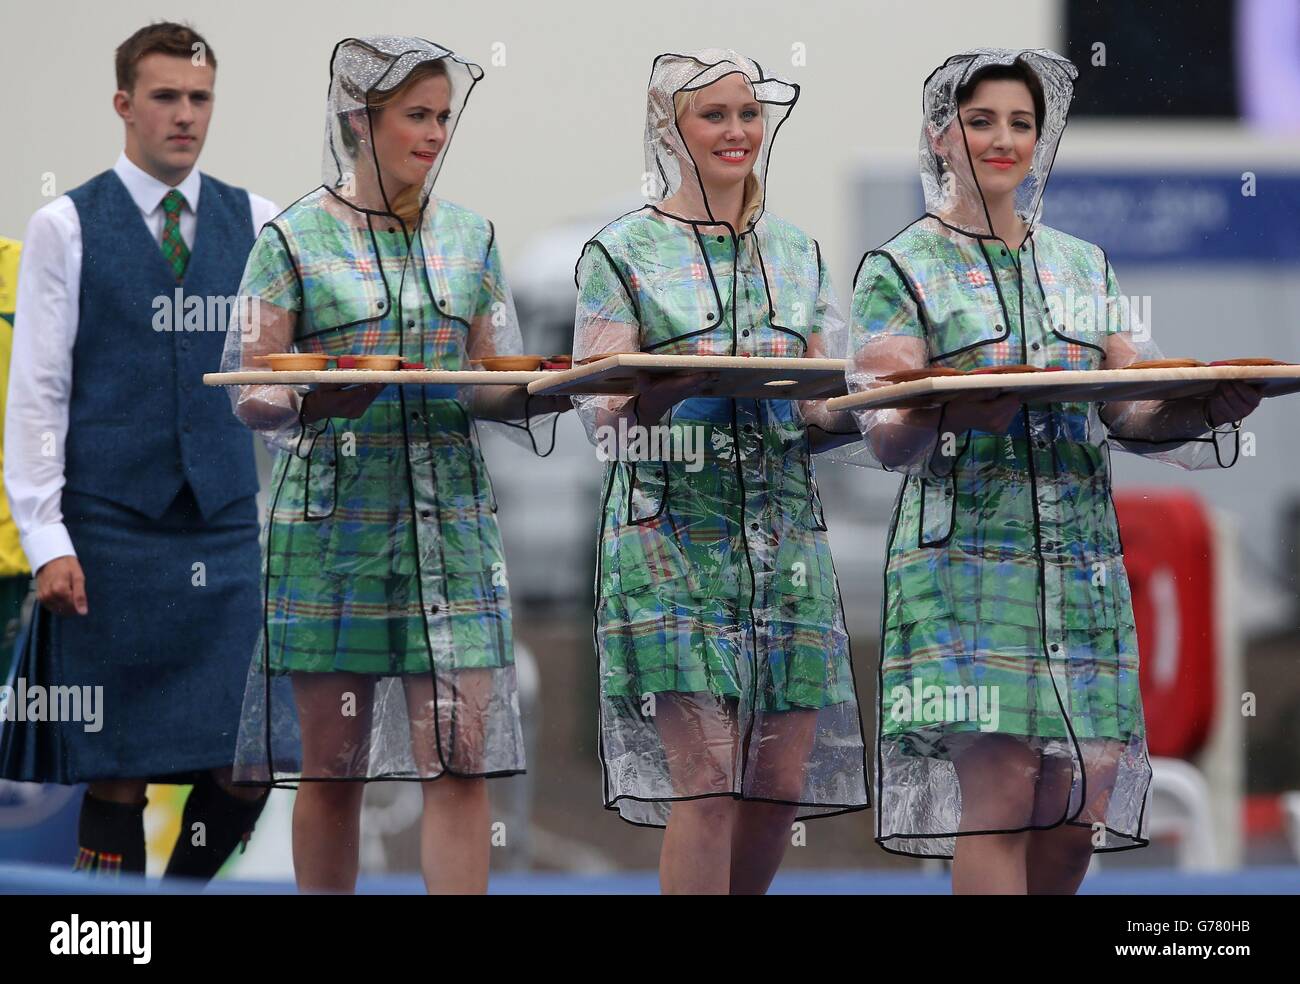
(1006, 604)
(382, 551)
(716, 596)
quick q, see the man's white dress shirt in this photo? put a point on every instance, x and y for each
(45, 329)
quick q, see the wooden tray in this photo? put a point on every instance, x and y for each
(1075, 386)
(414, 377)
(748, 377)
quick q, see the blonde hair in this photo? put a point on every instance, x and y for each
(408, 204)
(684, 102)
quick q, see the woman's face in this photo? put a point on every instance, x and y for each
(723, 131)
(411, 131)
(1000, 132)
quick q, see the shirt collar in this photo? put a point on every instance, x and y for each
(147, 191)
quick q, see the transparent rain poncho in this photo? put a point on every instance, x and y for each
(387, 650)
(1009, 692)
(724, 662)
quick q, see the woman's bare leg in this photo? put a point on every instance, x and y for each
(778, 759)
(1058, 858)
(699, 737)
(327, 813)
(998, 775)
(695, 859)
(455, 835)
(455, 828)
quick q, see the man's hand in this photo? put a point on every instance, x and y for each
(61, 586)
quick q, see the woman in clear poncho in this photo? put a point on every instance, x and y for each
(1010, 727)
(386, 651)
(727, 701)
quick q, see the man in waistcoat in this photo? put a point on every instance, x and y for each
(132, 485)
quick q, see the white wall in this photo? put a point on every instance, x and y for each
(553, 133)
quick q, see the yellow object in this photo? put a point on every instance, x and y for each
(12, 560)
(162, 824)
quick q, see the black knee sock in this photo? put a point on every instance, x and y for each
(110, 837)
(212, 826)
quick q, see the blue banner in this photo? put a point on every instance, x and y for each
(1174, 218)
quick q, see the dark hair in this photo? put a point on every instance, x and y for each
(162, 38)
(1017, 71)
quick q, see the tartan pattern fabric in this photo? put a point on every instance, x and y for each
(683, 551)
(964, 284)
(376, 625)
(99, 863)
(971, 609)
(1091, 691)
(350, 266)
(1005, 574)
(174, 249)
(664, 640)
(355, 506)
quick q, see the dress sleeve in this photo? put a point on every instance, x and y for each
(828, 338)
(1172, 431)
(494, 326)
(606, 321)
(886, 335)
(494, 330)
(263, 322)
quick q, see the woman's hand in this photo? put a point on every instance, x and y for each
(657, 393)
(338, 400)
(993, 416)
(1231, 402)
(559, 403)
(514, 403)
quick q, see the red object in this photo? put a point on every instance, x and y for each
(1262, 815)
(412, 365)
(1168, 553)
(346, 362)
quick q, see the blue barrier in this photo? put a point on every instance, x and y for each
(25, 879)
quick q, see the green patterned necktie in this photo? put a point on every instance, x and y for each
(175, 252)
